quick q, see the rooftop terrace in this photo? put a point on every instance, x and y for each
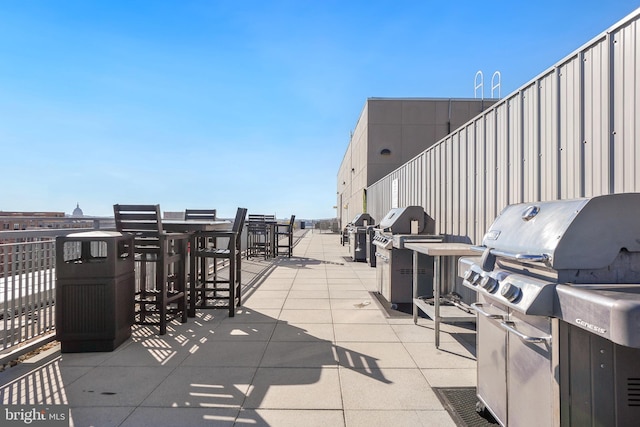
(310, 346)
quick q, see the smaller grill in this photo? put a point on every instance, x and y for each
(394, 263)
(402, 225)
(357, 230)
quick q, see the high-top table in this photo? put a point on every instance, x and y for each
(438, 251)
(193, 228)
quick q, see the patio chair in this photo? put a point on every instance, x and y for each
(160, 259)
(198, 241)
(209, 289)
(260, 238)
(284, 237)
(344, 235)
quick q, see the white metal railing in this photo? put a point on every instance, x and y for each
(27, 289)
(27, 292)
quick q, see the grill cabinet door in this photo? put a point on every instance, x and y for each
(491, 355)
(530, 376)
(383, 274)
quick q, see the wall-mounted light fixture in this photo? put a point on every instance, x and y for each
(385, 152)
(353, 170)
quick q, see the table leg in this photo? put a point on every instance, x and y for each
(274, 242)
(193, 272)
(415, 286)
(184, 276)
(436, 297)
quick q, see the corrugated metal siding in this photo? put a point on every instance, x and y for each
(460, 202)
(503, 149)
(569, 127)
(596, 121)
(571, 132)
(454, 181)
(515, 155)
(531, 143)
(477, 211)
(447, 186)
(626, 87)
(548, 123)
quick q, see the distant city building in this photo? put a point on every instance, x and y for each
(13, 220)
(28, 220)
(77, 212)
(18, 221)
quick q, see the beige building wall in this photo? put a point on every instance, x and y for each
(390, 132)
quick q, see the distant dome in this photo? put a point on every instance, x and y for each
(77, 211)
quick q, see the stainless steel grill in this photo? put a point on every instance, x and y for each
(558, 308)
(357, 230)
(394, 263)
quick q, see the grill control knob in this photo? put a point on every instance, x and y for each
(467, 275)
(511, 292)
(489, 284)
(475, 279)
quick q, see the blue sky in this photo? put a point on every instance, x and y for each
(222, 104)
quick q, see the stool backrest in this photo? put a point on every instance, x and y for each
(257, 224)
(200, 214)
(238, 224)
(144, 222)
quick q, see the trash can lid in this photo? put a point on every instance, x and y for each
(96, 233)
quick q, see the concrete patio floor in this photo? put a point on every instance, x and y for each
(310, 346)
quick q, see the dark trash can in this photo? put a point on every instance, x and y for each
(95, 287)
(302, 225)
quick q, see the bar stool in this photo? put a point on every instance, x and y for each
(256, 236)
(160, 294)
(285, 232)
(200, 242)
(206, 291)
(260, 237)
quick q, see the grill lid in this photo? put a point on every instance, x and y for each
(359, 220)
(398, 220)
(585, 233)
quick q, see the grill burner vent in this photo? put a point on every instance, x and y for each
(633, 391)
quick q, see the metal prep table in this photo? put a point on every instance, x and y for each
(446, 314)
